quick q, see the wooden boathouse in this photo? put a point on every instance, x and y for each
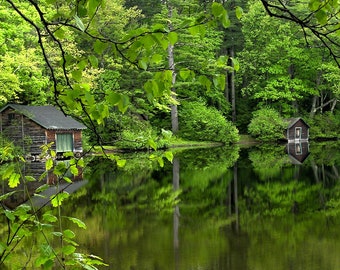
(297, 130)
(30, 127)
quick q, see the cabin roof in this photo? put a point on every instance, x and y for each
(49, 117)
(291, 121)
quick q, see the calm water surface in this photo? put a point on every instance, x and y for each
(221, 208)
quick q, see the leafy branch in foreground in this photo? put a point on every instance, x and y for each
(63, 26)
(319, 18)
(33, 230)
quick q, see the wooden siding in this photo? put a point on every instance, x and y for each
(22, 131)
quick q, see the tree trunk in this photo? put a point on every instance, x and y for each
(232, 86)
(171, 59)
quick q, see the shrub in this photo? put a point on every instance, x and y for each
(325, 125)
(202, 123)
(266, 125)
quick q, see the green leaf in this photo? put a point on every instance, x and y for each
(69, 234)
(168, 155)
(77, 221)
(74, 170)
(236, 64)
(92, 6)
(152, 144)
(217, 9)
(143, 64)
(113, 98)
(9, 215)
(14, 180)
(99, 46)
(49, 164)
(321, 16)
(156, 58)
(238, 12)
(314, 5)
(160, 162)
(77, 75)
(7, 195)
(42, 188)
(56, 200)
(173, 37)
(67, 250)
(79, 23)
(59, 33)
(225, 20)
(184, 73)
(121, 162)
(47, 217)
(94, 61)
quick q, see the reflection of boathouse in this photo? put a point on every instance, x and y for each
(297, 130)
(37, 170)
(298, 151)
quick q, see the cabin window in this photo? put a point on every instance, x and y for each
(64, 142)
(298, 149)
(11, 116)
(298, 133)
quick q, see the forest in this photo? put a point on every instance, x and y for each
(142, 74)
(151, 74)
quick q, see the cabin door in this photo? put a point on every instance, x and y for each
(64, 142)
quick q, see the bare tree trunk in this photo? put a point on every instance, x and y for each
(171, 59)
(232, 86)
(313, 109)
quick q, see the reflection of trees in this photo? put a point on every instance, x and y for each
(268, 160)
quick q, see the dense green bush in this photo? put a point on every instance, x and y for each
(324, 126)
(266, 125)
(202, 123)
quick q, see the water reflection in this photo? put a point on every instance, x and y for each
(37, 171)
(298, 151)
(222, 208)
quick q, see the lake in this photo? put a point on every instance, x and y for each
(260, 207)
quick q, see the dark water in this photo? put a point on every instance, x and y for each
(262, 207)
(255, 208)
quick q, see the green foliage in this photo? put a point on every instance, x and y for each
(266, 125)
(27, 221)
(280, 199)
(323, 126)
(202, 123)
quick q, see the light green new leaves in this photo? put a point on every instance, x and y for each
(56, 200)
(221, 14)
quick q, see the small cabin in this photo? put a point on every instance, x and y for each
(30, 127)
(297, 130)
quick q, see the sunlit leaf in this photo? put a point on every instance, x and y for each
(14, 180)
(56, 200)
(42, 188)
(168, 155)
(184, 73)
(121, 162)
(77, 221)
(69, 249)
(173, 37)
(79, 23)
(47, 217)
(238, 12)
(152, 144)
(69, 234)
(49, 164)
